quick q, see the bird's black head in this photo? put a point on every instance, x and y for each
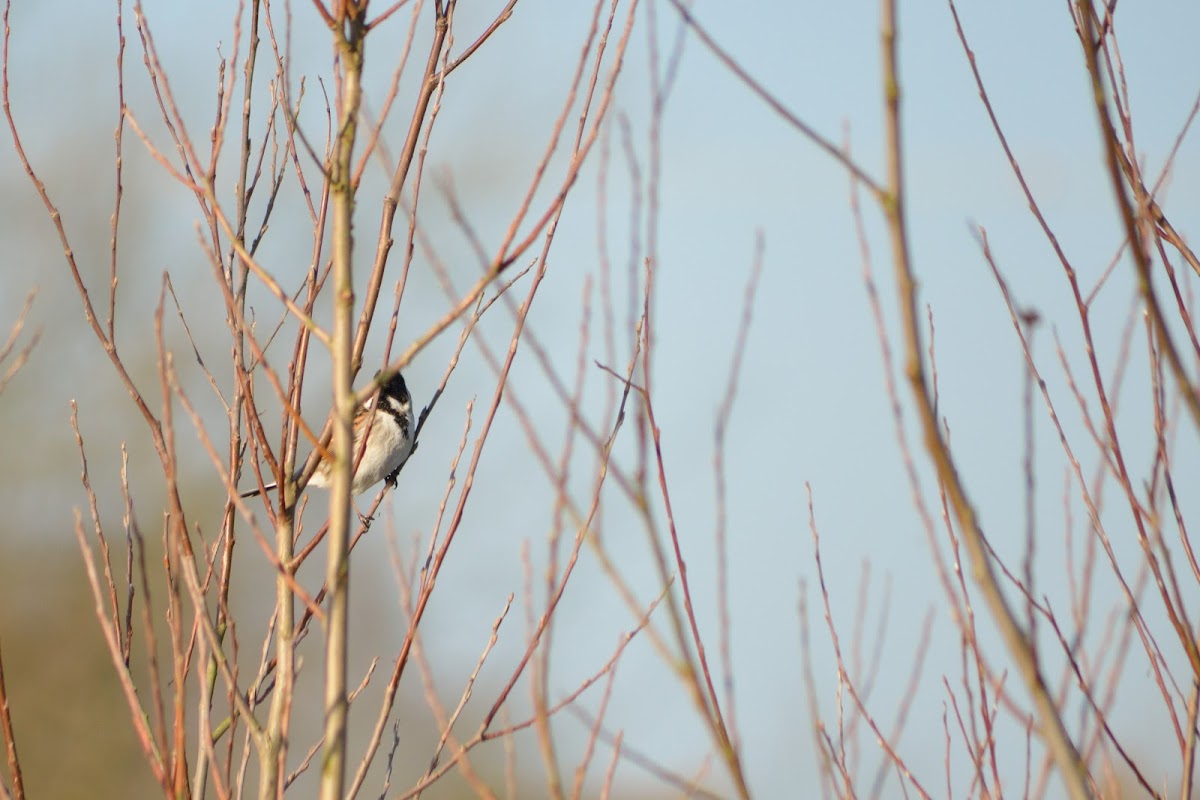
(395, 387)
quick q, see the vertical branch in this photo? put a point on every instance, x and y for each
(1029, 320)
(10, 743)
(1189, 750)
(274, 754)
(349, 40)
(236, 292)
(177, 555)
(721, 429)
(119, 136)
(1066, 756)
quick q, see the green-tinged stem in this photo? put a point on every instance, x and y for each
(349, 39)
(274, 756)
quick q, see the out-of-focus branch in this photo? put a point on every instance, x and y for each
(10, 744)
(14, 333)
(151, 751)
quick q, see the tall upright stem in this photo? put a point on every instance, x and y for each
(274, 755)
(349, 40)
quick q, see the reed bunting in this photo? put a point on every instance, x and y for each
(389, 443)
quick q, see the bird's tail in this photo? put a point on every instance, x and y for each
(257, 492)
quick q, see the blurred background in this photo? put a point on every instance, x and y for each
(810, 406)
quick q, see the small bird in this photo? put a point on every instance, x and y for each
(389, 445)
